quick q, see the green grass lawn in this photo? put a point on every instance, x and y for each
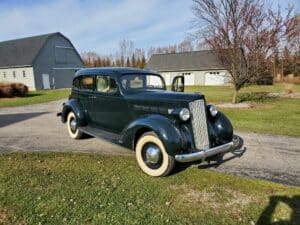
(35, 97)
(67, 188)
(269, 115)
(218, 94)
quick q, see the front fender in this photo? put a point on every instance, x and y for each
(74, 106)
(165, 129)
(220, 129)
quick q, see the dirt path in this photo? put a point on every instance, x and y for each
(36, 128)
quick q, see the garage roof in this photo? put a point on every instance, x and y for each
(185, 61)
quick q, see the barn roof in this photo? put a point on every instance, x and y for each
(185, 61)
(22, 52)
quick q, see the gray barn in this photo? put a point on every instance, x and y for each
(40, 62)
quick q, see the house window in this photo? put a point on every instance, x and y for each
(24, 74)
(4, 74)
(14, 74)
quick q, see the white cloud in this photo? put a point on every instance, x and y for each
(99, 25)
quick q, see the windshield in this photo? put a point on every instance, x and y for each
(131, 82)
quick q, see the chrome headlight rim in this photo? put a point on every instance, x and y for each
(184, 114)
(213, 110)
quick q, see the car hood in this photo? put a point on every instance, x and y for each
(165, 96)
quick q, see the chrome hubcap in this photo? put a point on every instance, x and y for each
(73, 124)
(152, 154)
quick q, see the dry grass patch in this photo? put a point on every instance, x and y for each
(5, 216)
(215, 199)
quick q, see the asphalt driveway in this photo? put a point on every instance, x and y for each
(36, 128)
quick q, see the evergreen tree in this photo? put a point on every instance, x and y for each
(127, 62)
(133, 61)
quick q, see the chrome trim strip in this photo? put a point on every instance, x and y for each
(204, 153)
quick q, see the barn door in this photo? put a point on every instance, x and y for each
(46, 81)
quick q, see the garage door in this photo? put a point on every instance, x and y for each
(214, 79)
(189, 79)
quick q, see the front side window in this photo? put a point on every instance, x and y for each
(76, 84)
(105, 84)
(131, 82)
(86, 83)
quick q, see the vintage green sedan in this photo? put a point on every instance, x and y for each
(133, 106)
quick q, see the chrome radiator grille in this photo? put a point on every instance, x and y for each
(199, 124)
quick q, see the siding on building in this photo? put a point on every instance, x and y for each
(194, 77)
(22, 74)
(50, 56)
(59, 59)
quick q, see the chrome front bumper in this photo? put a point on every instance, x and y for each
(206, 153)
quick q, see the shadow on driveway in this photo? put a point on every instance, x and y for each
(8, 119)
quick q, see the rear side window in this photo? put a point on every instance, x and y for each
(105, 84)
(86, 83)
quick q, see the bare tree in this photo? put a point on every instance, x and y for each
(223, 24)
(238, 26)
(126, 48)
(186, 45)
(267, 31)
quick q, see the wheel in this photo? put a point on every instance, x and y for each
(74, 132)
(152, 157)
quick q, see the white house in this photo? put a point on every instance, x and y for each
(199, 67)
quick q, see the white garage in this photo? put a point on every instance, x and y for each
(198, 67)
(214, 78)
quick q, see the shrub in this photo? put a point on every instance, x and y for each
(8, 90)
(255, 97)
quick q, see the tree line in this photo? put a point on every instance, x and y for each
(129, 56)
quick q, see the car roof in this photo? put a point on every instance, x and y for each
(112, 71)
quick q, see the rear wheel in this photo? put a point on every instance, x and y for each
(73, 130)
(152, 157)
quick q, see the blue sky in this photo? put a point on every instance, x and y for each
(100, 25)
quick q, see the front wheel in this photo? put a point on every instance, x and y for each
(152, 157)
(73, 130)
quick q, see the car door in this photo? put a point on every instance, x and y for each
(110, 110)
(85, 95)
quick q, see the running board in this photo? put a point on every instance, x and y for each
(101, 134)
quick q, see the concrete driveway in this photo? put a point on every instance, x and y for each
(36, 128)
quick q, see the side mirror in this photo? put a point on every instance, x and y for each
(178, 84)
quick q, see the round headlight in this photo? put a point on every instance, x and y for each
(213, 110)
(184, 114)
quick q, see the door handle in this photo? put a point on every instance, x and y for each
(92, 97)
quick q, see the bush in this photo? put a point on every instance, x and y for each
(8, 90)
(255, 97)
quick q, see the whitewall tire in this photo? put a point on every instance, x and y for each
(152, 157)
(73, 130)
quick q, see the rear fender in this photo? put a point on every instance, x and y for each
(164, 128)
(73, 106)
